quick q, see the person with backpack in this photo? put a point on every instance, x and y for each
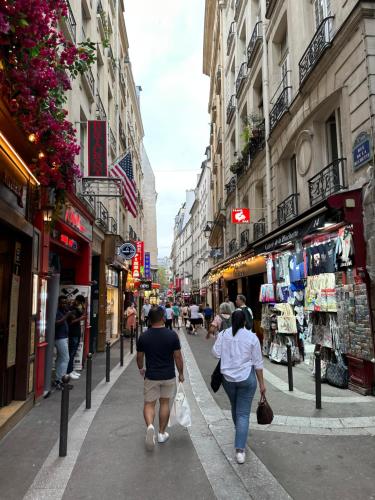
(176, 315)
(221, 321)
(241, 364)
(249, 317)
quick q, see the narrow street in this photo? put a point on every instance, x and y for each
(107, 458)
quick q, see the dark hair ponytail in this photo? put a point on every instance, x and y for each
(238, 321)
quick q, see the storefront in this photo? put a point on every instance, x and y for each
(315, 295)
(19, 265)
(65, 270)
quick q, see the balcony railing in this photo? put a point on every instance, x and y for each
(232, 246)
(71, 23)
(231, 186)
(112, 225)
(231, 108)
(244, 238)
(255, 41)
(328, 181)
(320, 42)
(230, 38)
(241, 78)
(237, 9)
(280, 107)
(112, 140)
(100, 111)
(90, 81)
(112, 58)
(288, 209)
(218, 80)
(259, 229)
(102, 216)
(270, 6)
(257, 140)
(219, 142)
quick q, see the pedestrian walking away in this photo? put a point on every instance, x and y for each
(231, 304)
(195, 318)
(168, 315)
(162, 350)
(221, 321)
(77, 316)
(185, 314)
(61, 341)
(241, 363)
(176, 315)
(145, 312)
(208, 312)
(241, 304)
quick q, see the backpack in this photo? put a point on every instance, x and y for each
(225, 322)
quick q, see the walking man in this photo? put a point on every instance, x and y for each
(145, 312)
(231, 305)
(162, 350)
(61, 341)
(77, 315)
(241, 304)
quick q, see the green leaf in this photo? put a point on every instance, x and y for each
(23, 23)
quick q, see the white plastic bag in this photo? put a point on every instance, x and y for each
(180, 411)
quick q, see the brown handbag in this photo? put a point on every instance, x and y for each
(264, 412)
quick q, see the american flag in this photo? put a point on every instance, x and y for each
(124, 171)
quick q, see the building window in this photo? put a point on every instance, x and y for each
(293, 175)
(322, 9)
(333, 135)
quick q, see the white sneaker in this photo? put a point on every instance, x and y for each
(73, 376)
(77, 374)
(150, 437)
(240, 457)
(163, 438)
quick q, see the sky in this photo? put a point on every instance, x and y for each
(166, 52)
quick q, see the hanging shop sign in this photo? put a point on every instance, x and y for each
(147, 265)
(127, 250)
(140, 245)
(136, 266)
(217, 253)
(362, 150)
(240, 216)
(145, 285)
(290, 236)
(97, 148)
(77, 221)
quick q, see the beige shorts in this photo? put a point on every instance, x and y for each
(156, 389)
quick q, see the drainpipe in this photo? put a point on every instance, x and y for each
(266, 103)
(117, 105)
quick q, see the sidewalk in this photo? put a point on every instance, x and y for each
(309, 462)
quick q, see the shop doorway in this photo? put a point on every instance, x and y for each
(6, 374)
(232, 290)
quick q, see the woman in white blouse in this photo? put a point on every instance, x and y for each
(241, 364)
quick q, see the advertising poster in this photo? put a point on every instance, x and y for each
(71, 292)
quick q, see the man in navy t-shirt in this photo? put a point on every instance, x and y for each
(162, 349)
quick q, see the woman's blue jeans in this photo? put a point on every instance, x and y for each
(241, 396)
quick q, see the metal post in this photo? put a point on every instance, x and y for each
(88, 381)
(107, 361)
(64, 417)
(122, 349)
(131, 339)
(290, 366)
(318, 381)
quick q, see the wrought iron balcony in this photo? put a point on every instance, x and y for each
(132, 234)
(112, 58)
(90, 82)
(232, 246)
(244, 238)
(100, 111)
(237, 9)
(241, 78)
(318, 45)
(112, 225)
(231, 186)
(257, 140)
(219, 142)
(102, 216)
(218, 80)
(270, 6)
(280, 107)
(328, 181)
(230, 38)
(255, 41)
(112, 140)
(71, 24)
(288, 209)
(259, 229)
(231, 108)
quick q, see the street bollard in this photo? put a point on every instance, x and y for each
(318, 381)
(108, 361)
(290, 367)
(131, 339)
(64, 417)
(122, 349)
(88, 381)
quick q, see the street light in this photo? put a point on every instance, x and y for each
(208, 229)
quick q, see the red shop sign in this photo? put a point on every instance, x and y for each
(240, 216)
(77, 221)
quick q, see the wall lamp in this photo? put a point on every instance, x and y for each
(210, 225)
